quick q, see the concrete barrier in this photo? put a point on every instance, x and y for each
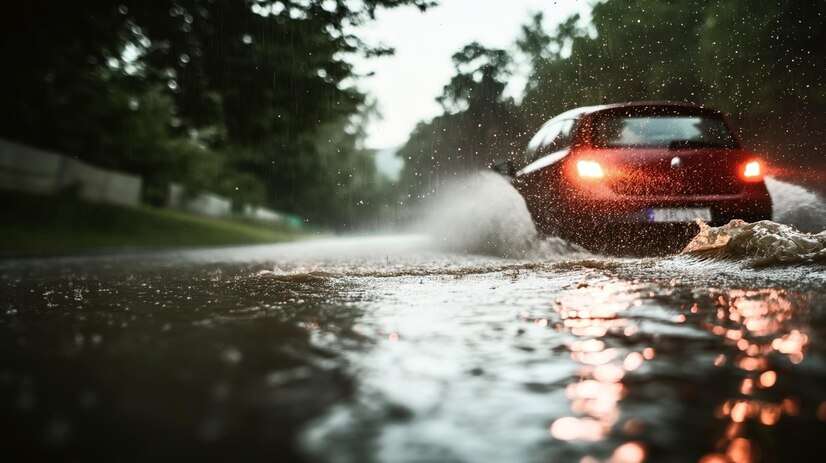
(23, 168)
(262, 214)
(202, 203)
(99, 185)
(217, 206)
(28, 169)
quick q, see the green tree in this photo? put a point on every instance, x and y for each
(478, 125)
(246, 86)
(762, 62)
(766, 64)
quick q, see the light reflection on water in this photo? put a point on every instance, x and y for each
(761, 325)
(589, 314)
(612, 332)
(760, 328)
(520, 363)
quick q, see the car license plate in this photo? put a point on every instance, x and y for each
(678, 215)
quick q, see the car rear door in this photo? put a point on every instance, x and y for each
(538, 180)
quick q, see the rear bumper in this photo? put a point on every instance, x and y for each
(581, 210)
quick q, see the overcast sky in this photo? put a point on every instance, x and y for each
(407, 83)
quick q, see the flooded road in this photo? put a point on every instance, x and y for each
(468, 345)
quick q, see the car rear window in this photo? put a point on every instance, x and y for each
(663, 132)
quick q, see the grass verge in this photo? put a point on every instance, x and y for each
(32, 225)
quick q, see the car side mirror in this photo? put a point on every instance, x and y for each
(506, 168)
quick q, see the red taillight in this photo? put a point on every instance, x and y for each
(752, 171)
(588, 169)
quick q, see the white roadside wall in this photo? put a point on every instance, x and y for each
(23, 168)
(262, 214)
(217, 206)
(202, 203)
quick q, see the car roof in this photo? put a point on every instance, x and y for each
(577, 113)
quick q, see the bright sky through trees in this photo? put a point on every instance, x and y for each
(407, 83)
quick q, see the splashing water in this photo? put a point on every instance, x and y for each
(792, 239)
(797, 206)
(482, 213)
(764, 242)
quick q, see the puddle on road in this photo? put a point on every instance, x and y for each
(437, 357)
(550, 367)
(392, 349)
(213, 363)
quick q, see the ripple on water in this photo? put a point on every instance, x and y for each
(554, 365)
(759, 244)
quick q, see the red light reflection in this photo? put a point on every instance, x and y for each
(759, 324)
(589, 315)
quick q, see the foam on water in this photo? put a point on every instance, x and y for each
(762, 243)
(483, 214)
(796, 236)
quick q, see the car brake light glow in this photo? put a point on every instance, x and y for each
(589, 169)
(753, 170)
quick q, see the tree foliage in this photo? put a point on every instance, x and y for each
(764, 62)
(236, 91)
(475, 128)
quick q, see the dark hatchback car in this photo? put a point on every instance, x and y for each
(638, 174)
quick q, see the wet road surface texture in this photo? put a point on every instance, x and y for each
(406, 348)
